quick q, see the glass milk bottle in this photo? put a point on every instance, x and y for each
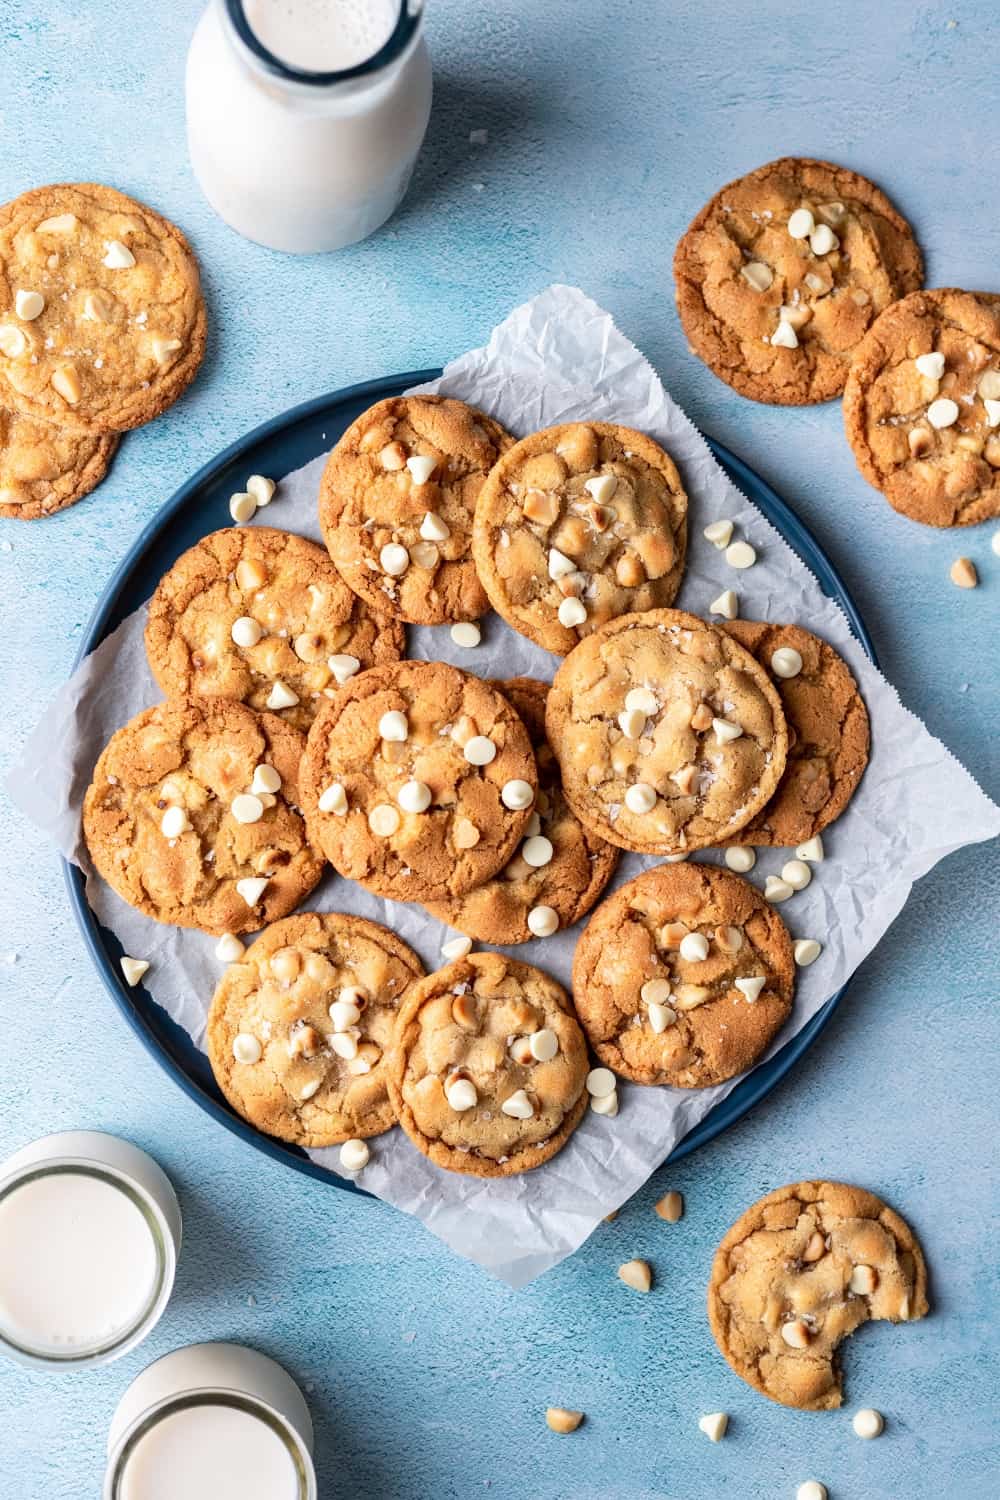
(305, 117)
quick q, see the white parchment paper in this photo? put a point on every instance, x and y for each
(557, 358)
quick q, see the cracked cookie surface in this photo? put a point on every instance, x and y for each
(45, 468)
(799, 1272)
(396, 504)
(255, 579)
(669, 735)
(318, 994)
(929, 438)
(740, 275)
(188, 760)
(586, 518)
(828, 735)
(121, 329)
(569, 882)
(655, 1014)
(419, 754)
(481, 1033)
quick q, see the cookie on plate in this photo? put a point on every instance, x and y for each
(922, 407)
(798, 1272)
(408, 779)
(669, 735)
(299, 1029)
(45, 468)
(192, 816)
(263, 616)
(102, 321)
(396, 505)
(577, 525)
(780, 275)
(684, 976)
(529, 899)
(828, 733)
(488, 1067)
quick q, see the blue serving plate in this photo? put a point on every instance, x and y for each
(202, 505)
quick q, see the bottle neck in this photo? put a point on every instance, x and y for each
(327, 83)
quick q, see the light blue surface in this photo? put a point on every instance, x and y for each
(608, 128)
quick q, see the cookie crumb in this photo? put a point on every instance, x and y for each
(963, 573)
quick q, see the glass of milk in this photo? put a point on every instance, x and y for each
(90, 1231)
(211, 1422)
(305, 117)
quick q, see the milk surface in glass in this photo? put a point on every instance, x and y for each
(210, 1452)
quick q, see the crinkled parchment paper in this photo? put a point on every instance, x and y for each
(558, 358)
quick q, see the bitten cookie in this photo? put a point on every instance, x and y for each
(669, 735)
(407, 781)
(798, 1272)
(922, 407)
(566, 867)
(780, 275)
(828, 733)
(45, 468)
(263, 616)
(396, 505)
(102, 321)
(684, 976)
(577, 525)
(488, 1066)
(192, 816)
(300, 1028)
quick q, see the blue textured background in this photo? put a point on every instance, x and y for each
(609, 125)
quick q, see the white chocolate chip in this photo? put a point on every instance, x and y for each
(607, 1104)
(714, 1425)
(12, 340)
(242, 508)
(163, 348)
(467, 634)
(726, 605)
(992, 413)
(801, 224)
(414, 797)
(133, 968)
(265, 779)
(811, 1490)
(776, 889)
(421, 467)
(812, 850)
(655, 991)
(537, 851)
(544, 1044)
(66, 381)
(518, 1106)
(461, 1095)
(252, 888)
(456, 947)
(261, 488)
(560, 566)
(58, 224)
(433, 529)
(354, 1155)
(806, 951)
(516, 795)
(281, 696)
(602, 487)
(344, 1014)
(394, 559)
(823, 240)
(784, 336)
(383, 820)
(740, 555)
(636, 1274)
(392, 726)
(931, 365)
(719, 533)
(868, 1423)
(246, 1048)
(797, 874)
(757, 274)
(229, 949)
(425, 554)
(725, 732)
(571, 613)
(333, 800)
(344, 1045)
(119, 256)
(600, 1083)
(640, 798)
(543, 921)
(246, 632)
(479, 750)
(660, 1017)
(750, 988)
(28, 305)
(786, 662)
(632, 722)
(740, 858)
(246, 808)
(694, 947)
(943, 412)
(343, 667)
(641, 700)
(796, 1333)
(864, 1280)
(174, 822)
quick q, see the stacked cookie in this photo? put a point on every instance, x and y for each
(102, 326)
(295, 733)
(801, 282)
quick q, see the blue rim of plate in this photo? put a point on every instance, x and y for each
(277, 447)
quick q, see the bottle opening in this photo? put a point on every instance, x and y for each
(324, 41)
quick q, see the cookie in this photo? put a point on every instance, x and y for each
(192, 816)
(669, 735)
(780, 276)
(396, 505)
(408, 777)
(798, 1272)
(488, 1066)
(300, 1028)
(577, 525)
(828, 734)
(263, 616)
(45, 468)
(102, 322)
(526, 901)
(922, 407)
(684, 976)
